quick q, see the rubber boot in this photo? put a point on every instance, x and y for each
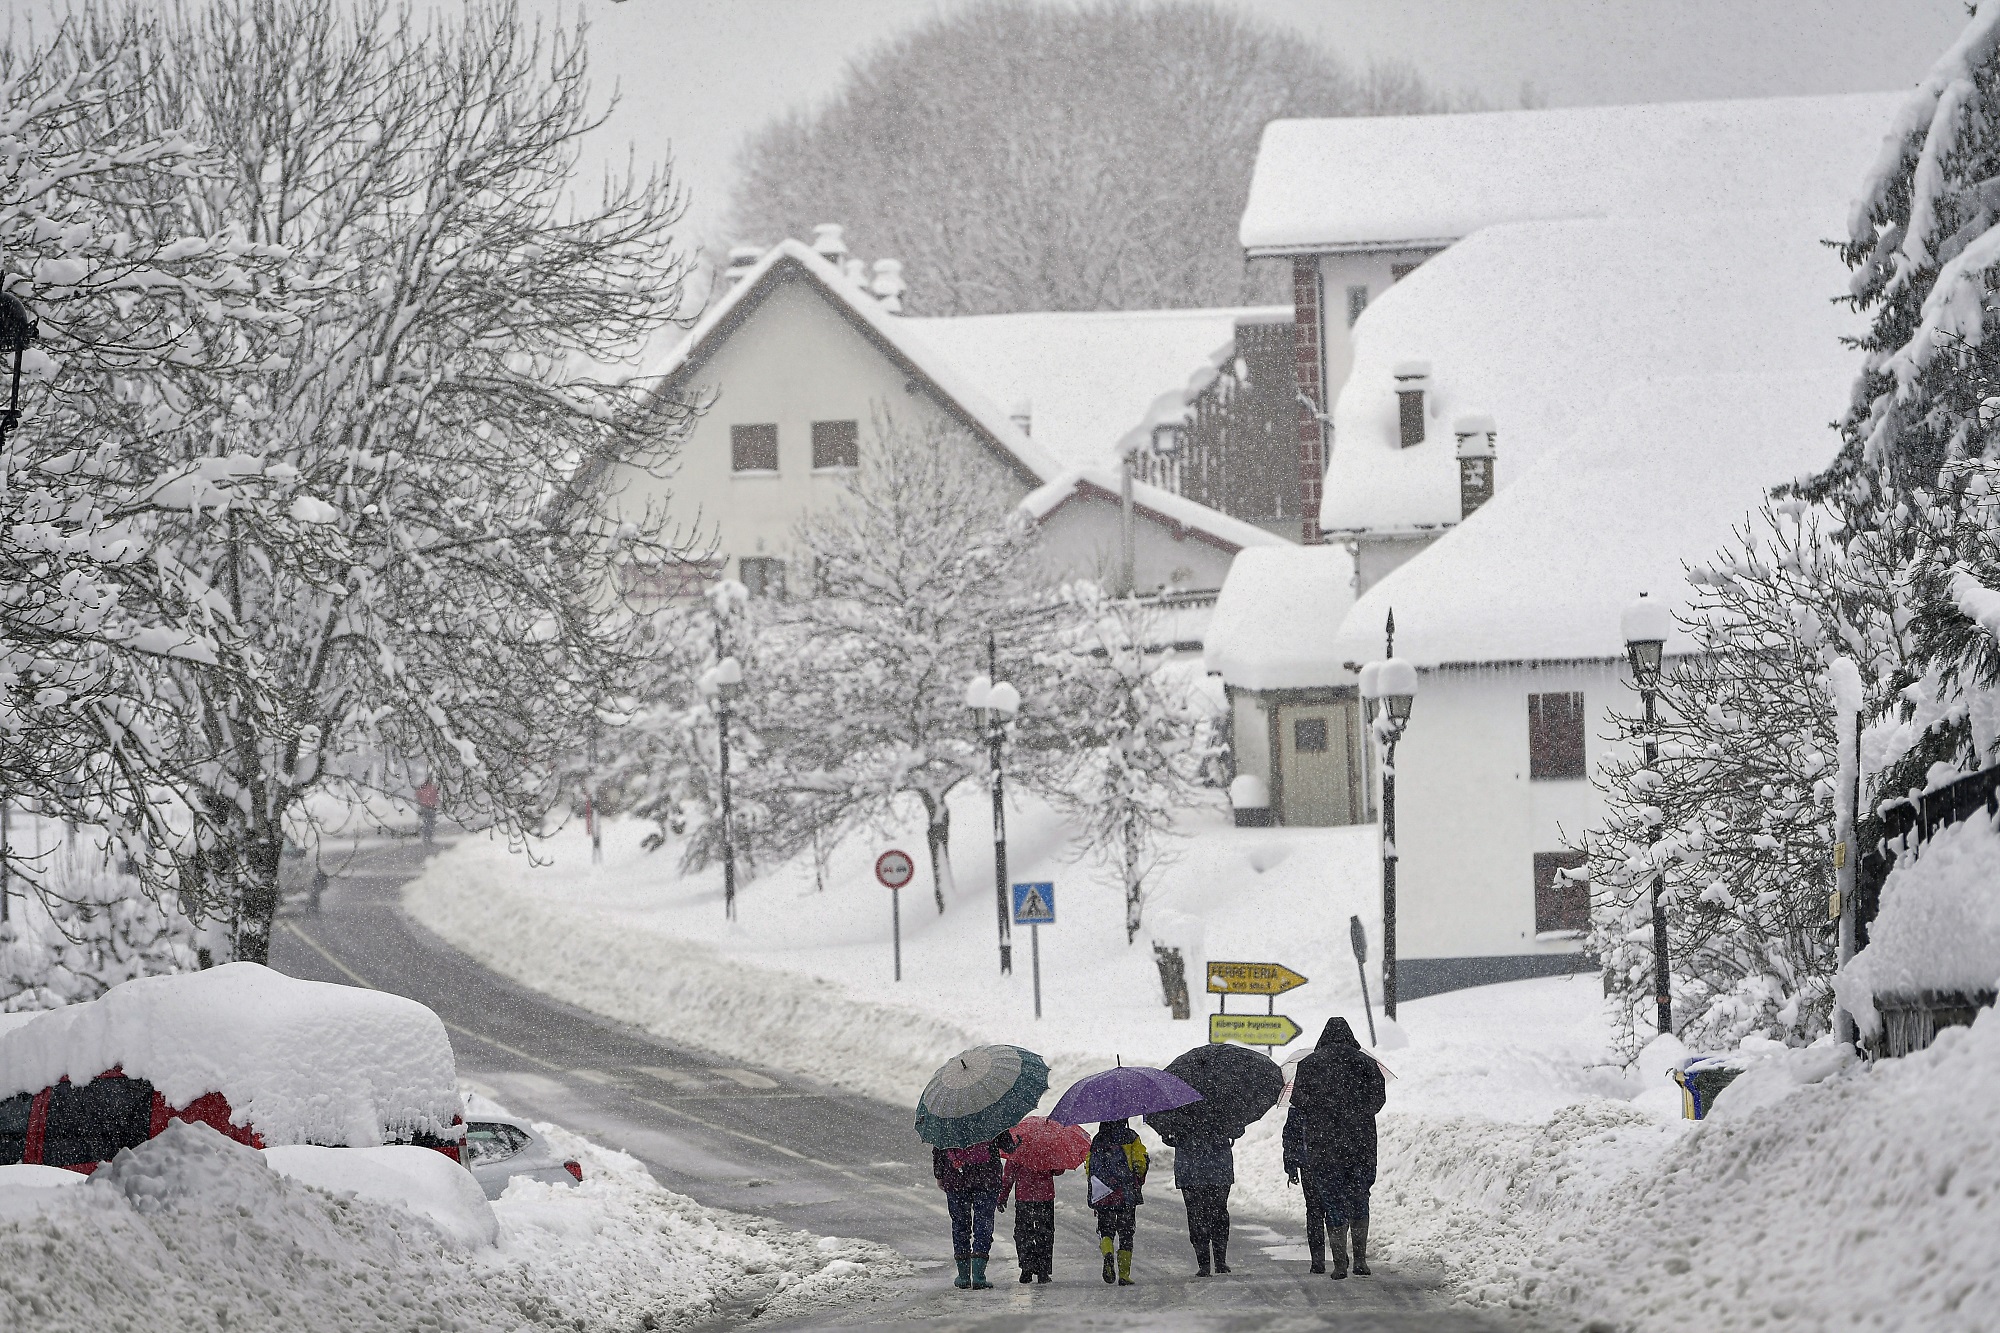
(1361, 1248)
(1221, 1245)
(1027, 1276)
(964, 1278)
(1201, 1261)
(1110, 1273)
(1124, 1268)
(979, 1282)
(1336, 1242)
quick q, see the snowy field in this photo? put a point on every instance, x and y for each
(1517, 1156)
(192, 1230)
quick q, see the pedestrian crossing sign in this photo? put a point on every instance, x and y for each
(1034, 904)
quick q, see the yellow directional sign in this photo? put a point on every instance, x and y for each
(1253, 1029)
(1251, 979)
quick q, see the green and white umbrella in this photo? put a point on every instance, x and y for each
(980, 1093)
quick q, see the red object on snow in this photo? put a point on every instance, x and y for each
(575, 1169)
(1043, 1145)
(428, 796)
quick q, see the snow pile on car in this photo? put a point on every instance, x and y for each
(417, 1180)
(300, 1061)
(192, 1230)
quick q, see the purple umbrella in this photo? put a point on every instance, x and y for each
(1119, 1094)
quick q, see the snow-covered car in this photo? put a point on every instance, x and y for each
(498, 1148)
(264, 1058)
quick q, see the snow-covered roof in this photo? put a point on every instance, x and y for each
(1655, 481)
(1086, 378)
(1108, 345)
(299, 1061)
(1150, 502)
(1384, 182)
(1277, 617)
(1538, 325)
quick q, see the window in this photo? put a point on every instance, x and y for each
(90, 1122)
(486, 1141)
(1357, 301)
(1555, 736)
(1309, 735)
(753, 448)
(14, 1127)
(762, 575)
(1561, 904)
(836, 444)
(1397, 272)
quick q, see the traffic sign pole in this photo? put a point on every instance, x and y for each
(1035, 951)
(1035, 907)
(894, 869)
(896, 929)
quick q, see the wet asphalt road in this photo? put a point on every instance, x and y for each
(764, 1141)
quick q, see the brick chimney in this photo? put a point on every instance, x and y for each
(1413, 378)
(1475, 462)
(1307, 366)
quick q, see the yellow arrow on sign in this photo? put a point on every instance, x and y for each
(1251, 979)
(1253, 1029)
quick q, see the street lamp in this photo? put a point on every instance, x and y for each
(1646, 625)
(17, 330)
(993, 707)
(724, 680)
(1388, 689)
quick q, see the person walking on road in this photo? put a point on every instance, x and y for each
(1204, 1170)
(1034, 1195)
(428, 797)
(970, 1179)
(1295, 1160)
(1336, 1095)
(1117, 1178)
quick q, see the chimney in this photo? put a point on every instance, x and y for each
(1475, 462)
(829, 245)
(888, 285)
(1412, 378)
(1021, 414)
(742, 258)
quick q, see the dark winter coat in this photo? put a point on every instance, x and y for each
(1118, 1158)
(974, 1170)
(1335, 1097)
(1203, 1161)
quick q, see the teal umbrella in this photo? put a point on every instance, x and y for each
(979, 1094)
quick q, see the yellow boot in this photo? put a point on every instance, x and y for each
(1124, 1268)
(1104, 1244)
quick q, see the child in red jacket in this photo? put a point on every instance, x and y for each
(1034, 1219)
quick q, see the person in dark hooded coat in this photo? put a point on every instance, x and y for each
(1336, 1094)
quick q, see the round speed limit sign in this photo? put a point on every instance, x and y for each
(894, 869)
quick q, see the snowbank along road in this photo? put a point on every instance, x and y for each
(766, 1142)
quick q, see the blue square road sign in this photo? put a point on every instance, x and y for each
(1034, 904)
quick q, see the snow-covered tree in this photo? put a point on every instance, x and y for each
(859, 696)
(442, 412)
(1737, 813)
(148, 315)
(1077, 156)
(1138, 735)
(87, 929)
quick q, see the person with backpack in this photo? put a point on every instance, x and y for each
(970, 1179)
(1336, 1095)
(1116, 1174)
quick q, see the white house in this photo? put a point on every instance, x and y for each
(1357, 203)
(1626, 391)
(799, 361)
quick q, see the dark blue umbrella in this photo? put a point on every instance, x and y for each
(980, 1093)
(1119, 1094)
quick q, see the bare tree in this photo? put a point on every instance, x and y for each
(1023, 156)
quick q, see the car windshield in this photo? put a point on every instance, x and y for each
(488, 1141)
(90, 1122)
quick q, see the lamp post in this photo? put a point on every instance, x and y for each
(17, 330)
(1388, 689)
(1646, 624)
(724, 680)
(993, 707)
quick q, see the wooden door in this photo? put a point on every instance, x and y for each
(1317, 769)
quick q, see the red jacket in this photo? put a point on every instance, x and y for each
(1028, 1186)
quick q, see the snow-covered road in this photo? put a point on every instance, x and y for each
(766, 1142)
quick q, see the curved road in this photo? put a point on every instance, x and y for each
(767, 1142)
